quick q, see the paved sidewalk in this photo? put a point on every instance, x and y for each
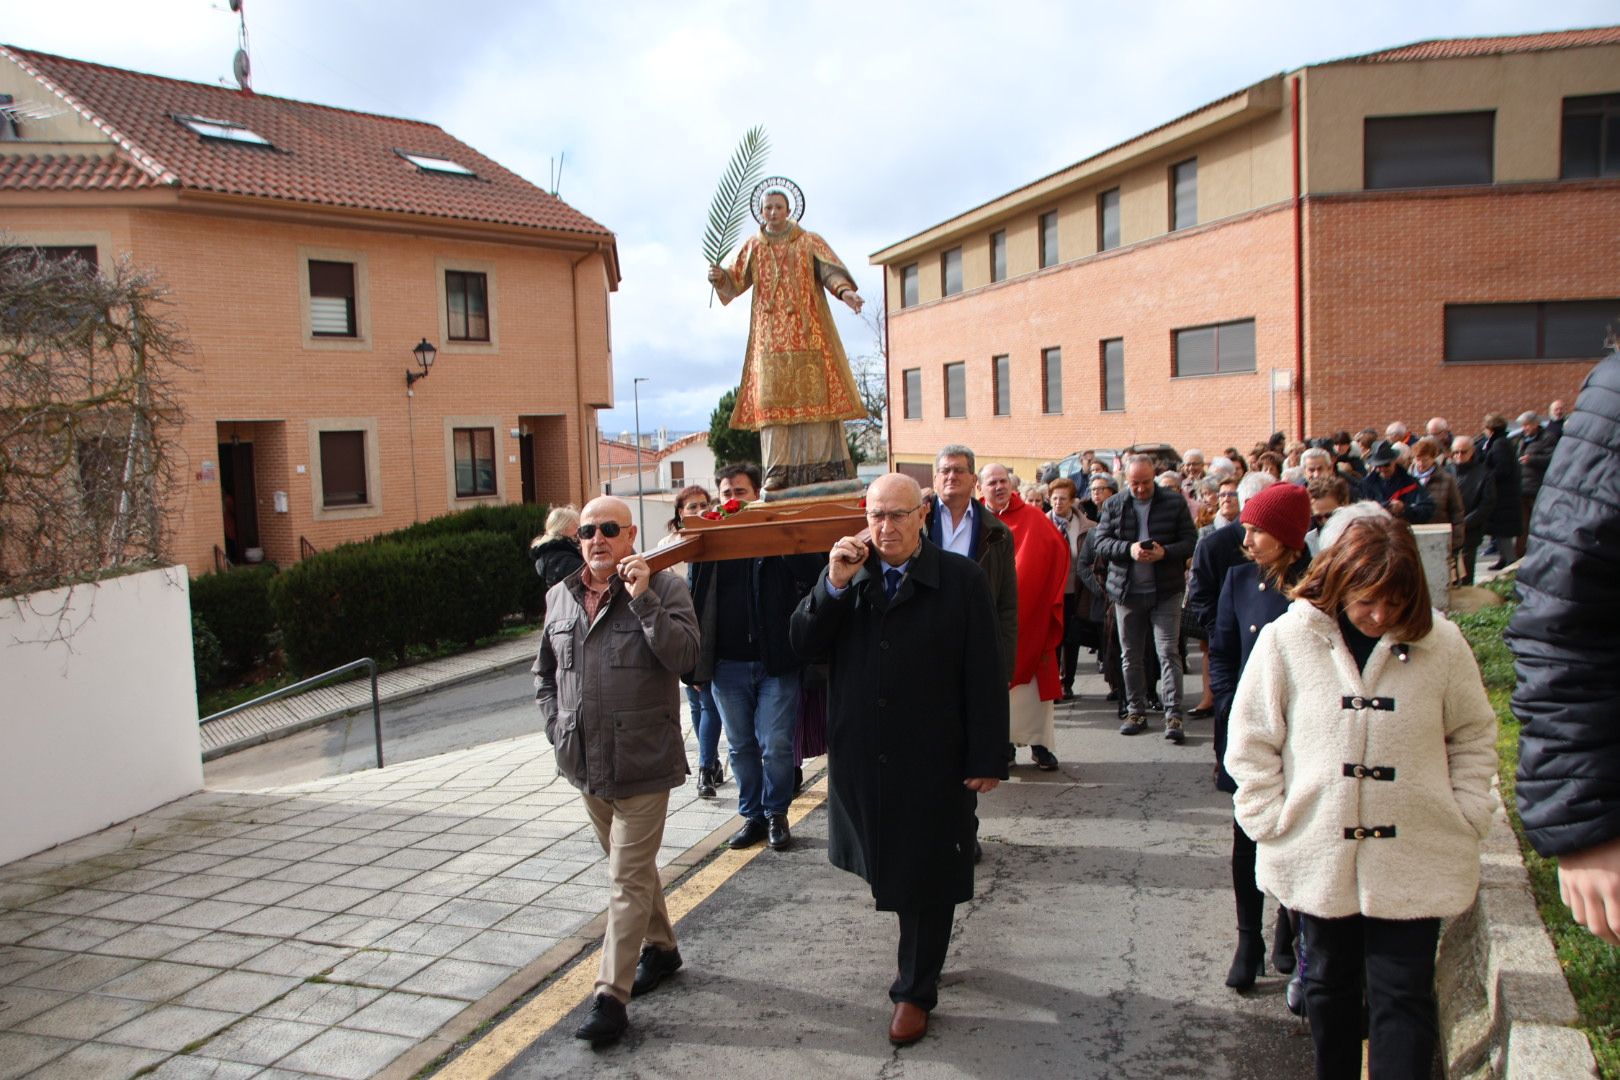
(325, 929)
(276, 718)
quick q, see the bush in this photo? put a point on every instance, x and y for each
(1483, 629)
(380, 599)
(206, 657)
(235, 606)
(519, 523)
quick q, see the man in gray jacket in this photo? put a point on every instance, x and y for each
(616, 639)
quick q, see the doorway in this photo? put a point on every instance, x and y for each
(238, 500)
(526, 466)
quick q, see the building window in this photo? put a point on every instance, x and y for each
(51, 255)
(1002, 385)
(950, 272)
(331, 299)
(1215, 350)
(1048, 239)
(1428, 151)
(1051, 381)
(475, 461)
(956, 389)
(1553, 330)
(998, 255)
(343, 468)
(1591, 136)
(911, 393)
(677, 474)
(1184, 194)
(1108, 220)
(908, 286)
(467, 296)
(1113, 375)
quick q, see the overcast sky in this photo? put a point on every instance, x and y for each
(890, 116)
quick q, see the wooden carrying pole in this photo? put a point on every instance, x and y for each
(783, 529)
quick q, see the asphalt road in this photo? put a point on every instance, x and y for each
(498, 706)
(1097, 946)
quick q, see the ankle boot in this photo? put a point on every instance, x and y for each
(1249, 962)
(1282, 943)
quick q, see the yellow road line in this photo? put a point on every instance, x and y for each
(501, 1046)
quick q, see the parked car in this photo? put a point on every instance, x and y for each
(1165, 457)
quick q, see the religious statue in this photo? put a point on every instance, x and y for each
(796, 388)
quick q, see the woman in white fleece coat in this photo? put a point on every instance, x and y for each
(1363, 748)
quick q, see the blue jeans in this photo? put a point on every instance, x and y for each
(759, 712)
(706, 722)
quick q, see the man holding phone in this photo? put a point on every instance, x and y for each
(607, 680)
(1147, 535)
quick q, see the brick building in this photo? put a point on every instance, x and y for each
(1432, 229)
(308, 250)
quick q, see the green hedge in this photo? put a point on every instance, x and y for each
(381, 599)
(235, 607)
(520, 523)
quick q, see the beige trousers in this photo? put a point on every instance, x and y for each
(630, 831)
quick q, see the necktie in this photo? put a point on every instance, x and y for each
(891, 583)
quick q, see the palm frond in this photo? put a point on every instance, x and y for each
(731, 198)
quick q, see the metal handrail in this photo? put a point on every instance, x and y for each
(305, 548)
(286, 691)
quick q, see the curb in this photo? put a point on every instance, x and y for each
(1505, 1006)
(281, 731)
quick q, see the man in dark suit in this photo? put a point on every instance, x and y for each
(916, 729)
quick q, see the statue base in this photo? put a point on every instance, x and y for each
(832, 489)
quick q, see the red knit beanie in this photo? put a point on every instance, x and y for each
(1284, 511)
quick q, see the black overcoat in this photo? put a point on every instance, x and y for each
(1501, 456)
(917, 704)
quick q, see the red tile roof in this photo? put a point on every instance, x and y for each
(1455, 48)
(318, 154)
(71, 172)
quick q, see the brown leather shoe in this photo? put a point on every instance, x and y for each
(910, 1023)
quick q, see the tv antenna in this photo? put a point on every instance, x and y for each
(556, 172)
(241, 66)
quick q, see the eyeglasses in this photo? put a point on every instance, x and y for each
(893, 517)
(609, 529)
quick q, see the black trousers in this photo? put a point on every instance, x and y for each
(1068, 649)
(1394, 960)
(925, 934)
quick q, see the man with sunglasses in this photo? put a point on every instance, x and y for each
(917, 727)
(607, 680)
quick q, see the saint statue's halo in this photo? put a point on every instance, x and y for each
(779, 185)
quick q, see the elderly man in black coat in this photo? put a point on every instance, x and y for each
(916, 727)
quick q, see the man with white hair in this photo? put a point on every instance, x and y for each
(1439, 429)
(1317, 463)
(1555, 418)
(1396, 432)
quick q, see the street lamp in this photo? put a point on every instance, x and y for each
(424, 354)
(641, 508)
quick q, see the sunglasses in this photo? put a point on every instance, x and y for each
(609, 529)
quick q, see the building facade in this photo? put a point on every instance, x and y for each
(1428, 230)
(307, 252)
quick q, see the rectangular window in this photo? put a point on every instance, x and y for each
(998, 255)
(475, 461)
(1438, 150)
(1113, 375)
(1215, 350)
(1051, 381)
(956, 389)
(1184, 194)
(343, 468)
(908, 286)
(331, 299)
(1002, 385)
(950, 272)
(52, 255)
(677, 474)
(1591, 136)
(1048, 239)
(911, 392)
(1552, 330)
(1108, 220)
(467, 295)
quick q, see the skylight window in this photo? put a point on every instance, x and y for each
(223, 130)
(436, 164)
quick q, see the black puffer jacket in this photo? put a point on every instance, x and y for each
(556, 558)
(1565, 636)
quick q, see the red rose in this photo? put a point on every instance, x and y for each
(711, 515)
(863, 504)
(732, 506)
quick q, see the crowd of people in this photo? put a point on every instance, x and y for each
(1295, 568)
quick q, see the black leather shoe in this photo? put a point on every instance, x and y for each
(1197, 713)
(606, 1023)
(654, 964)
(752, 832)
(705, 782)
(1045, 760)
(777, 833)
